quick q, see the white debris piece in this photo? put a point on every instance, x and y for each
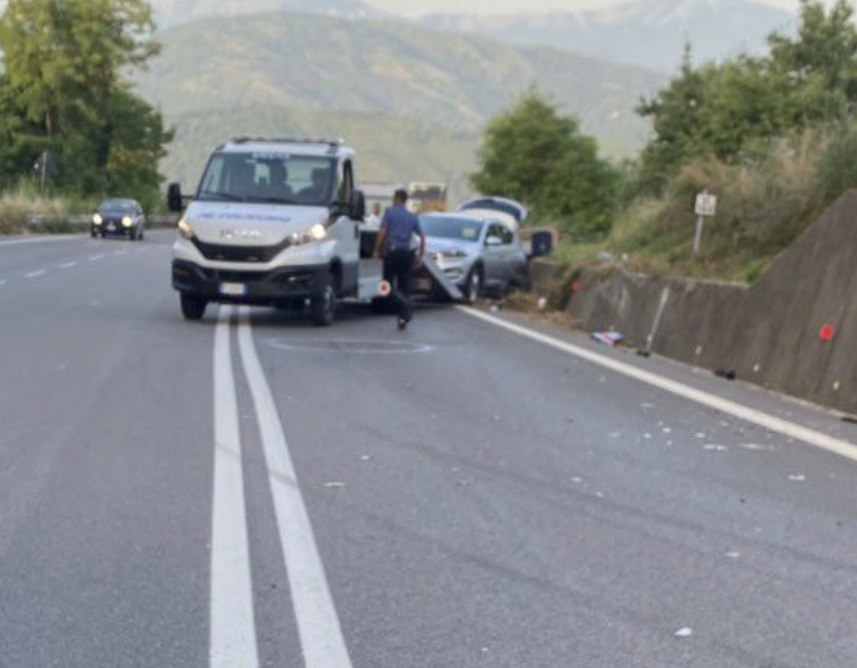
(714, 447)
(667, 430)
(700, 435)
(576, 480)
(365, 458)
(797, 478)
(686, 632)
(733, 555)
(334, 485)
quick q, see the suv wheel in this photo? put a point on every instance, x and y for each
(473, 285)
(193, 307)
(323, 308)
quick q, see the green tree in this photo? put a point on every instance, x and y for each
(533, 154)
(724, 110)
(64, 89)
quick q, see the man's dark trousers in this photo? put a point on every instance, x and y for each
(398, 267)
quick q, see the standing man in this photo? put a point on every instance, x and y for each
(395, 246)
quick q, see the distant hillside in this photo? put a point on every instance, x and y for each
(389, 148)
(322, 64)
(648, 33)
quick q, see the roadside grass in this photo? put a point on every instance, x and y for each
(765, 202)
(23, 203)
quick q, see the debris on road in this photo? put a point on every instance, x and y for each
(733, 555)
(334, 485)
(797, 478)
(713, 447)
(686, 632)
(608, 338)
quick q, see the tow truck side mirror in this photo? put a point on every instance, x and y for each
(175, 200)
(357, 205)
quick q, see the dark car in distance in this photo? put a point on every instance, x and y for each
(119, 217)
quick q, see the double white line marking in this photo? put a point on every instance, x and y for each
(233, 624)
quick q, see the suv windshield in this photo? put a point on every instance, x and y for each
(268, 177)
(447, 227)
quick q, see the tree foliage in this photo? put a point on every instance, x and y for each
(533, 154)
(727, 110)
(64, 90)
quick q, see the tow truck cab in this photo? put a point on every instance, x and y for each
(273, 222)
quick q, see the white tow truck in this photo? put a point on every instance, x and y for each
(277, 222)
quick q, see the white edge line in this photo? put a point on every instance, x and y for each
(792, 430)
(233, 629)
(318, 625)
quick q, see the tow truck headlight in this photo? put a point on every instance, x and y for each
(185, 230)
(316, 233)
(127, 221)
(97, 219)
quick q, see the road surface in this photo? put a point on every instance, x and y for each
(250, 491)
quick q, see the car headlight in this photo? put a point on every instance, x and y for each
(97, 219)
(316, 233)
(127, 221)
(186, 230)
(452, 254)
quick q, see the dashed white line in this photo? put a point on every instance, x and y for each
(770, 422)
(120, 253)
(36, 274)
(68, 265)
(3, 282)
(319, 629)
(96, 258)
(233, 630)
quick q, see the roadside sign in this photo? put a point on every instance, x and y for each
(706, 204)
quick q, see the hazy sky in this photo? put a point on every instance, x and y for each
(415, 7)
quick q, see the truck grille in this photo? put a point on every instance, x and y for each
(223, 253)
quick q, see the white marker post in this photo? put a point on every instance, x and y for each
(706, 207)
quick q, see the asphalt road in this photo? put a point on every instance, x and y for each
(251, 491)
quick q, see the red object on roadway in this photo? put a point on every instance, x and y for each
(828, 333)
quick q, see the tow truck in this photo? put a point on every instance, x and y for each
(279, 222)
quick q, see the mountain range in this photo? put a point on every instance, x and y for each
(415, 95)
(319, 67)
(648, 33)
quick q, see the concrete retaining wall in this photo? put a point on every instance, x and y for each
(768, 333)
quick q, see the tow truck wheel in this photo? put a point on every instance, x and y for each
(323, 308)
(193, 307)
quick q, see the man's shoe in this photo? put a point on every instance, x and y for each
(403, 324)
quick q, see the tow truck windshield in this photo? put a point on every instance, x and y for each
(270, 178)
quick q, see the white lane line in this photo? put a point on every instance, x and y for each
(36, 274)
(791, 429)
(320, 633)
(96, 258)
(2, 282)
(120, 253)
(68, 265)
(233, 628)
(40, 240)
